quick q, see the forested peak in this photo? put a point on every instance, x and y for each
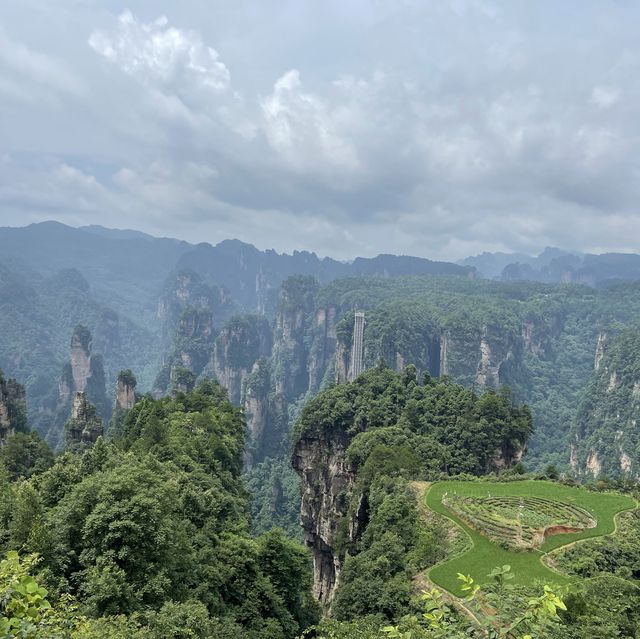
(471, 432)
(127, 377)
(298, 291)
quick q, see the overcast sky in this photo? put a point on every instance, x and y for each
(349, 127)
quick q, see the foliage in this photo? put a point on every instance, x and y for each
(526, 566)
(25, 454)
(153, 525)
(448, 428)
(604, 426)
(275, 497)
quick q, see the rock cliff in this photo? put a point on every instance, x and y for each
(605, 433)
(84, 373)
(327, 477)
(13, 408)
(241, 342)
(125, 391)
(85, 425)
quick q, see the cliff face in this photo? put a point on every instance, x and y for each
(324, 346)
(80, 358)
(240, 343)
(186, 289)
(13, 408)
(349, 433)
(261, 409)
(125, 391)
(292, 325)
(606, 437)
(83, 374)
(191, 349)
(327, 478)
(85, 426)
(491, 360)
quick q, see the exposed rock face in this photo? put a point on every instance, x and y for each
(326, 479)
(600, 346)
(184, 290)
(125, 391)
(605, 432)
(241, 342)
(290, 350)
(80, 358)
(13, 408)
(84, 373)
(342, 362)
(594, 465)
(85, 426)
(491, 360)
(192, 347)
(446, 344)
(324, 346)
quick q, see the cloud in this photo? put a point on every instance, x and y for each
(308, 132)
(605, 97)
(28, 74)
(158, 53)
(435, 128)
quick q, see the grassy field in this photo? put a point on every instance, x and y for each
(484, 555)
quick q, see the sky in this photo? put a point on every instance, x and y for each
(438, 128)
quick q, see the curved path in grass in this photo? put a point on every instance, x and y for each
(526, 566)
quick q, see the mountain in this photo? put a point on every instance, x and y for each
(125, 273)
(253, 277)
(555, 265)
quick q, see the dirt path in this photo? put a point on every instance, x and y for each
(421, 581)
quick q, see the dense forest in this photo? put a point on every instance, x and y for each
(147, 532)
(183, 452)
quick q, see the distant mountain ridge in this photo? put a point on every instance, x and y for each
(554, 266)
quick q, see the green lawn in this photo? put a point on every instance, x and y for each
(484, 555)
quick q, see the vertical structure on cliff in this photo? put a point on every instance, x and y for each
(357, 346)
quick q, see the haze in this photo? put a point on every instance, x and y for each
(437, 129)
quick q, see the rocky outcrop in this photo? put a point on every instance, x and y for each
(80, 358)
(292, 325)
(327, 477)
(324, 346)
(600, 346)
(491, 359)
(240, 343)
(606, 439)
(84, 373)
(125, 391)
(186, 289)
(13, 408)
(342, 356)
(191, 350)
(593, 465)
(85, 426)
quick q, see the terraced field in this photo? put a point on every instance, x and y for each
(520, 523)
(514, 512)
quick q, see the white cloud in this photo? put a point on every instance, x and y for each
(605, 97)
(417, 127)
(158, 53)
(307, 131)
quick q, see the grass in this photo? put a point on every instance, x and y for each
(526, 566)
